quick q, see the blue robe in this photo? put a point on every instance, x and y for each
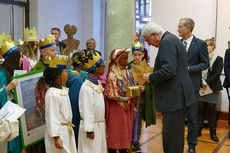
(14, 145)
(74, 84)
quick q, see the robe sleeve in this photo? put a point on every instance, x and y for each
(52, 114)
(86, 103)
(111, 89)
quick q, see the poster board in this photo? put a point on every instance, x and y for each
(31, 123)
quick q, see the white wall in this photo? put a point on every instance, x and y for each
(167, 14)
(58, 13)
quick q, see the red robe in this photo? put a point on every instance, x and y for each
(119, 118)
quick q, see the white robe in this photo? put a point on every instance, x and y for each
(58, 111)
(92, 112)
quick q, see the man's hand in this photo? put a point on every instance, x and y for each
(58, 143)
(188, 68)
(12, 85)
(146, 77)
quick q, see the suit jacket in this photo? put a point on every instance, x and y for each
(198, 60)
(213, 78)
(227, 68)
(62, 47)
(173, 87)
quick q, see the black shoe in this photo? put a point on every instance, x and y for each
(214, 138)
(191, 150)
(136, 147)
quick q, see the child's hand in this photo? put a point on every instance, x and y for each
(90, 135)
(58, 143)
(142, 89)
(12, 85)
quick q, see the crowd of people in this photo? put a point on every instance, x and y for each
(90, 111)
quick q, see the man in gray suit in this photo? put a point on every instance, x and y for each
(173, 87)
(198, 61)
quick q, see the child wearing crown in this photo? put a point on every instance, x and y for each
(47, 47)
(74, 83)
(59, 135)
(92, 137)
(13, 61)
(30, 48)
(145, 105)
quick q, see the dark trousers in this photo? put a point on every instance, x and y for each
(211, 108)
(228, 107)
(173, 131)
(192, 117)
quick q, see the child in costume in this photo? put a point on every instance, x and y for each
(13, 61)
(59, 135)
(92, 138)
(119, 108)
(145, 104)
(47, 47)
(74, 83)
(30, 48)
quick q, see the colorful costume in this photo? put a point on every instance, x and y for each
(119, 114)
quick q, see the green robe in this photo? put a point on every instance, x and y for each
(40, 65)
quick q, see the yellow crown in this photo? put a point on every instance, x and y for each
(19, 42)
(137, 46)
(46, 42)
(30, 34)
(59, 61)
(7, 46)
(93, 60)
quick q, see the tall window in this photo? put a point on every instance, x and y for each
(143, 16)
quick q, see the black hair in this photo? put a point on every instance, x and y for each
(11, 63)
(56, 28)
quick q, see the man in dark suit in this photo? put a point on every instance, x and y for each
(198, 61)
(173, 87)
(60, 46)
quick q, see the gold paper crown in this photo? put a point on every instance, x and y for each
(19, 42)
(59, 61)
(46, 42)
(7, 46)
(30, 34)
(93, 60)
(137, 46)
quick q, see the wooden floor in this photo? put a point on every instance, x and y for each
(151, 139)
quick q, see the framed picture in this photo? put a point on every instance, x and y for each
(32, 122)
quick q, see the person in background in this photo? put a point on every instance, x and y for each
(211, 80)
(47, 47)
(30, 48)
(58, 112)
(91, 46)
(119, 107)
(60, 46)
(92, 134)
(226, 84)
(13, 61)
(197, 62)
(172, 85)
(74, 83)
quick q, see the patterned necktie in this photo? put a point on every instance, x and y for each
(185, 45)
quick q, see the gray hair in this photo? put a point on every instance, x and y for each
(90, 40)
(188, 22)
(150, 28)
